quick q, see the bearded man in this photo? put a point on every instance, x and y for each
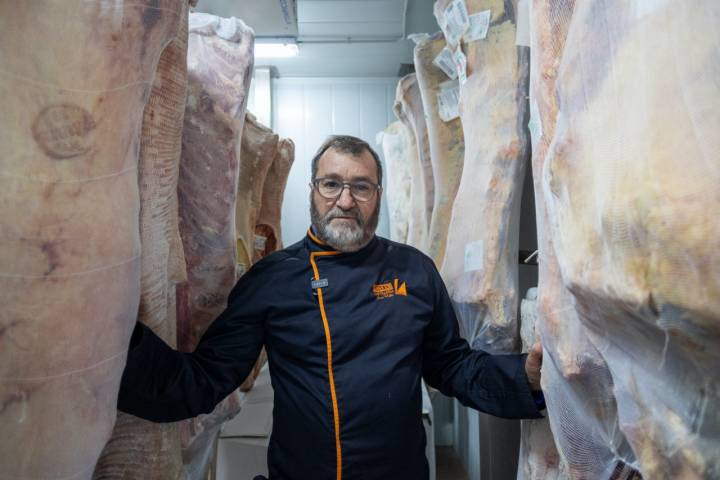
(352, 323)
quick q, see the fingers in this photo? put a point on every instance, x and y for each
(533, 364)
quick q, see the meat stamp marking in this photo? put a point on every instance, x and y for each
(63, 131)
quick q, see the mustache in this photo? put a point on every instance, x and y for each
(338, 212)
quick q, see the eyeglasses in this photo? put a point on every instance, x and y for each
(331, 188)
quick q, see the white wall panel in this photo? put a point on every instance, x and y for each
(307, 110)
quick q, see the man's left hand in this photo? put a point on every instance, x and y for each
(532, 366)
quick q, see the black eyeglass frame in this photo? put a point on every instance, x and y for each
(314, 185)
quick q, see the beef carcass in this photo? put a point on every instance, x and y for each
(632, 184)
(481, 265)
(539, 457)
(409, 110)
(447, 146)
(74, 79)
(577, 384)
(220, 61)
(396, 148)
(268, 231)
(139, 448)
(259, 149)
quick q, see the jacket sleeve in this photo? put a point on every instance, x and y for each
(494, 384)
(163, 385)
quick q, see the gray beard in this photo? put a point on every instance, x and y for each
(344, 238)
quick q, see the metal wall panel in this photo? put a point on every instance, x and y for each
(308, 110)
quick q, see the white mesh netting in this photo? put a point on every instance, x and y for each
(625, 101)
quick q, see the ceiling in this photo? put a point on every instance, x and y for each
(336, 38)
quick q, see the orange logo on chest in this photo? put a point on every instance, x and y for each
(390, 289)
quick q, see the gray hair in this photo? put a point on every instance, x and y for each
(346, 144)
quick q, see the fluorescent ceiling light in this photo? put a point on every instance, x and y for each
(276, 50)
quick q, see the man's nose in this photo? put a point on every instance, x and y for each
(345, 200)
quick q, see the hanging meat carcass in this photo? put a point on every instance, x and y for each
(577, 384)
(220, 61)
(409, 110)
(481, 265)
(139, 448)
(268, 232)
(74, 78)
(539, 457)
(632, 185)
(396, 149)
(447, 146)
(259, 149)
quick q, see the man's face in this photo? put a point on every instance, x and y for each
(345, 223)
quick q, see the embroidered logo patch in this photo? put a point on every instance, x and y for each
(390, 289)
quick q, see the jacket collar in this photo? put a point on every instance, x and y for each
(314, 244)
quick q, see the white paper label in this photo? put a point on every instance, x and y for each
(474, 256)
(449, 100)
(535, 123)
(456, 21)
(522, 36)
(445, 62)
(478, 26)
(418, 37)
(260, 242)
(461, 65)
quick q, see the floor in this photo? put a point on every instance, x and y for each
(449, 466)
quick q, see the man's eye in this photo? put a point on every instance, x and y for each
(330, 184)
(362, 187)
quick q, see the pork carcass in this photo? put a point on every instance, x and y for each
(139, 448)
(396, 149)
(259, 149)
(576, 381)
(632, 185)
(220, 61)
(74, 78)
(481, 265)
(447, 146)
(409, 110)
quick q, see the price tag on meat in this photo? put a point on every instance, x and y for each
(461, 65)
(456, 21)
(445, 62)
(478, 28)
(474, 255)
(449, 100)
(260, 242)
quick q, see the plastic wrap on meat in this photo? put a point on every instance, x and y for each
(139, 448)
(447, 146)
(220, 62)
(409, 110)
(74, 78)
(632, 188)
(396, 149)
(539, 457)
(259, 148)
(576, 381)
(481, 265)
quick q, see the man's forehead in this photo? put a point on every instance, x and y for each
(337, 162)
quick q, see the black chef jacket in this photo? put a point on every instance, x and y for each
(349, 336)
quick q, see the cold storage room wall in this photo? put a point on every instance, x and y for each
(308, 110)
